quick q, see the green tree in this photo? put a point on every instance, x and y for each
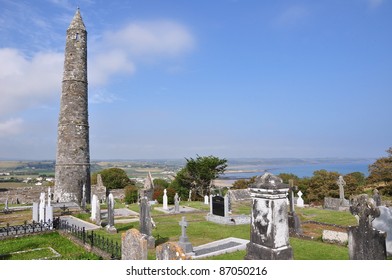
(113, 178)
(243, 183)
(198, 174)
(355, 182)
(322, 184)
(380, 172)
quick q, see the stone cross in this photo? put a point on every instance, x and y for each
(365, 242)
(291, 195)
(341, 183)
(184, 241)
(165, 207)
(183, 223)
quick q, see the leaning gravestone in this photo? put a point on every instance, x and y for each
(133, 245)
(365, 242)
(145, 222)
(269, 237)
(384, 223)
(170, 251)
(110, 226)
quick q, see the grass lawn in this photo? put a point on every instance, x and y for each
(23, 248)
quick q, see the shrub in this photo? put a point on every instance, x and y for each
(131, 194)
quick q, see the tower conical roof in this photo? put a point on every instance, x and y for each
(77, 22)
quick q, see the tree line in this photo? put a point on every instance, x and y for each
(198, 174)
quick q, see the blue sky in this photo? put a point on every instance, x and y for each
(230, 78)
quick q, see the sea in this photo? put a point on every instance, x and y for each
(300, 170)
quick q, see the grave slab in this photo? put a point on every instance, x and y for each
(219, 247)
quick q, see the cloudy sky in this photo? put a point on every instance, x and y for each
(230, 78)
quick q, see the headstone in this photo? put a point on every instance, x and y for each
(148, 188)
(170, 251)
(165, 206)
(49, 197)
(206, 200)
(184, 240)
(294, 222)
(365, 242)
(176, 203)
(376, 197)
(190, 195)
(384, 223)
(133, 245)
(96, 210)
(6, 205)
(145, 222)
(42, 208)
(110, 226)
(49, 214)
(269, 236)
(36, 212)
(300, 201)
(218, 206)
(341, 183)
(83, 202)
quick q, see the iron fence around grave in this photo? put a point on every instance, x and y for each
(93, 239)
(31, 228)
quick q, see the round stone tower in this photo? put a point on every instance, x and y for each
(72, 174)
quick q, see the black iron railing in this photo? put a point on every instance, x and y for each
(28, 228)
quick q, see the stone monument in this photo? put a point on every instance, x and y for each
(365, 242)
(96, 210)
(376, 197)
(176, 203)
(269, 234)
(294, 222)
(110, 226)
(42, 208)
(184, 240)
(170, 251)
(384, 223)
(206, 200)
(341, 183)
(165, 206)
(300, 201)
(146, 222)
(133, 245)
(72, 169)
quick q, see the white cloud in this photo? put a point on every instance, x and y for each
(152, 38)
(26, 82)
(11, 127)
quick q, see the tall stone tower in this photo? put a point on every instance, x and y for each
(72, 173)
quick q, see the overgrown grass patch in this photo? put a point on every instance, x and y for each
(342, 218)
(66, 248)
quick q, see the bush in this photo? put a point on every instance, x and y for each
(131, 194)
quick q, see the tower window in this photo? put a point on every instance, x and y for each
(77, 36)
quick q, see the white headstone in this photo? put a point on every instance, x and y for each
(190, 195)
(300, 201)
(94, 202)
(176, 204)
(49, 196)
(206, 199)
(42, 208)
(165, 207)
(49, 214)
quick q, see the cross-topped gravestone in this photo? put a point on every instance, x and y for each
(365, 242)
(184, 241)
(341, 183)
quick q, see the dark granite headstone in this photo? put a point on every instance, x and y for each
(218, 205)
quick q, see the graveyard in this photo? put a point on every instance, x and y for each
(166, 229)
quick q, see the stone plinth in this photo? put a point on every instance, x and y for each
(269, 238)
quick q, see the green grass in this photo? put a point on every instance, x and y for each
(66, 248)
(342, 218)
